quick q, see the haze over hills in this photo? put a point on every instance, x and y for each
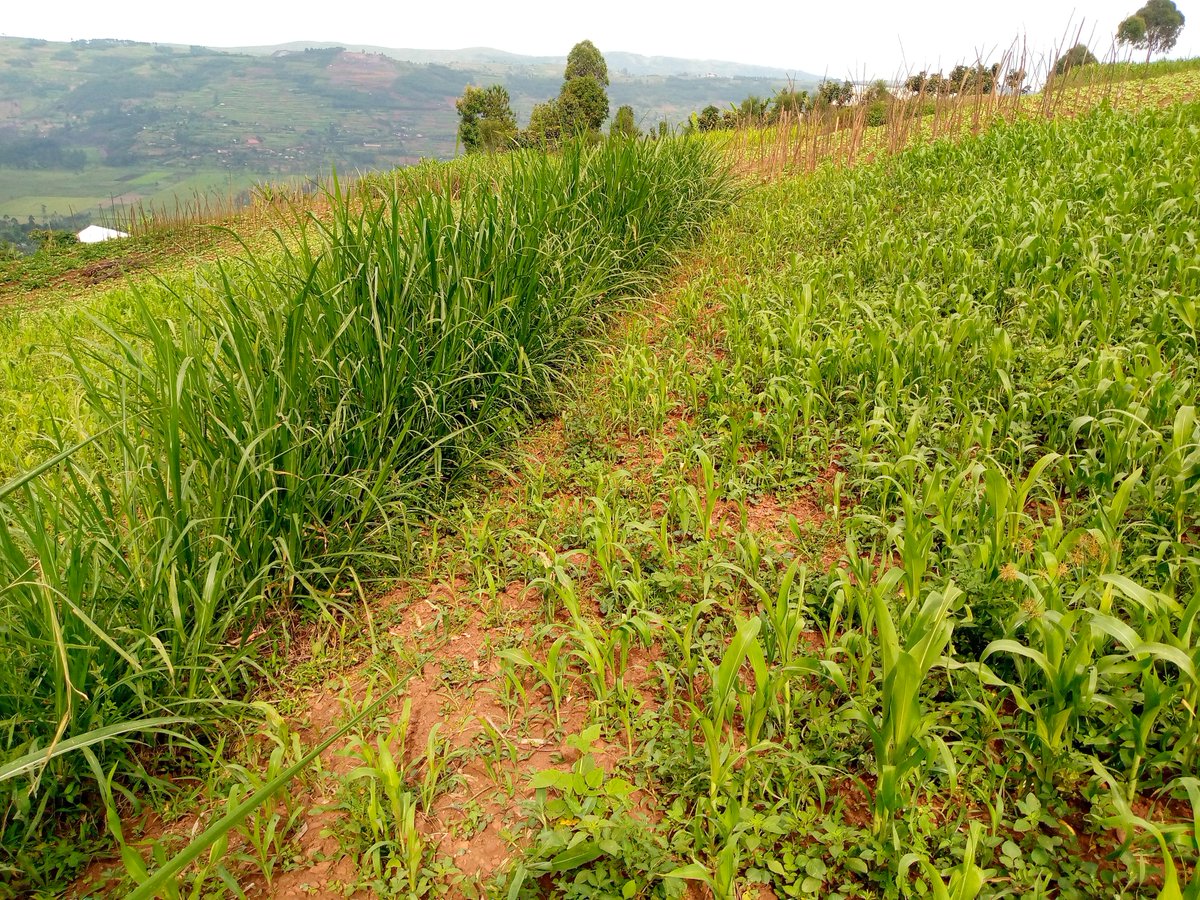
(91, 123)
(487, 58)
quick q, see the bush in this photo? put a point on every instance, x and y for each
(877, 114)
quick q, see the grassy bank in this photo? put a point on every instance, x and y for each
(268, 440)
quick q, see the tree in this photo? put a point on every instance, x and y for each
(876, 91)
(753, 110)
(877, 101)
(959, 78)
(583, 102)
(582, 105)
(486, 120)
(976, 79)
(831, 93)
(545, 126)
(1015, 81)
(1132, 31)
(709, 119)
(1154, 28)
(789, 103)
(623, 125)
(1079, 55)
(586, 61)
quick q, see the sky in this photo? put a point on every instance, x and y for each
(840, 38)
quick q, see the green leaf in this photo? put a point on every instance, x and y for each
(518, 881)
(618, 787)
(573, 857)
(26, 477)
(30, 761)
(547, 778)
(690, 872)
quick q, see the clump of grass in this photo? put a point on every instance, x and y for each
(255, 447)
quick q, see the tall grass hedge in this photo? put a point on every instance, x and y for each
(249, 450)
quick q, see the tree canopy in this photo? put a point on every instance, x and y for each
(583, 102)
(582, 105)
(1079, 55)
(545, 126)
(790, 102)
(585, 60)
(833, 93)
(963, 79)
(486, 120)
(623, 124)
(1154, 28)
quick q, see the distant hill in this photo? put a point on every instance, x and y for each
(89, 123)
(619, 62)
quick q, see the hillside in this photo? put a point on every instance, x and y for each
(661, 519)
(86, 124)
(491, 59)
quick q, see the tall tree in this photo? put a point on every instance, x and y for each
(583, 101)
(1154, 28)
(1015, 81)
(709, 119)
(582, 106)
(876, 91)
(584, 60)
(832, 93)
(752, 110)
(486, 120)
(915, 84)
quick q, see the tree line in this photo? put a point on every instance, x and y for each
(790, 104)
(1154, 28)
(487, 122)
(38, 152)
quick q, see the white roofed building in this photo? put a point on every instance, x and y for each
(94, 234)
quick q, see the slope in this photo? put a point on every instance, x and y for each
(864, 564)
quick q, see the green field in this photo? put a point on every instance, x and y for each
(597, 524)
(100, 190)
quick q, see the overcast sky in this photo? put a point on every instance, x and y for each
(840, 38)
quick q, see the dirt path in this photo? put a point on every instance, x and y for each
(472, 728)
